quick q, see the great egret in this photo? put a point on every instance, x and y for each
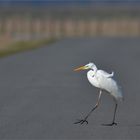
(103, 81)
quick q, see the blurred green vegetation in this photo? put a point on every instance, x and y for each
(20, 46)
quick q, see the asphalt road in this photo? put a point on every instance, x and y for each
(41, 97)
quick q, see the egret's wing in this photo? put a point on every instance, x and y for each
(105, 74)
(107, 83)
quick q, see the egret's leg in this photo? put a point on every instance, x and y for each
(114, 115)
(97, 104)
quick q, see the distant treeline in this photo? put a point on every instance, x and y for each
(83, 12)
(25, 28)
(27, 22)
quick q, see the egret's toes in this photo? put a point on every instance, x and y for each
(77, 122)
(81, 122)
(84, 121)
(110, 124)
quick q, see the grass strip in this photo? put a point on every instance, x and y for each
(20, 46)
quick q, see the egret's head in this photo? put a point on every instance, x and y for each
(86, 67)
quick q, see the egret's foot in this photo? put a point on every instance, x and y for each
(81, 121)
(110, 124)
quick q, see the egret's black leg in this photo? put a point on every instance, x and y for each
(85, 119)
(113, 121)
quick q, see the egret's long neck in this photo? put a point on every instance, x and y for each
(94, 68)
(92, 72)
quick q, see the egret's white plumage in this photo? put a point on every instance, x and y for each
(103, 81)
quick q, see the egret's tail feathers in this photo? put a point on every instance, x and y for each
(112, 73)
(118, 95)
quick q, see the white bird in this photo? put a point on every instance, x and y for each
(103, 81)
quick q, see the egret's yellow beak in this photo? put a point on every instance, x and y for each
(80, 68)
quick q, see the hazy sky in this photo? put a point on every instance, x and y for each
(68, 1)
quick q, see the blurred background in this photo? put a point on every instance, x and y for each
(45, 20)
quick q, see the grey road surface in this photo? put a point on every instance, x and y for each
(41, 96)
